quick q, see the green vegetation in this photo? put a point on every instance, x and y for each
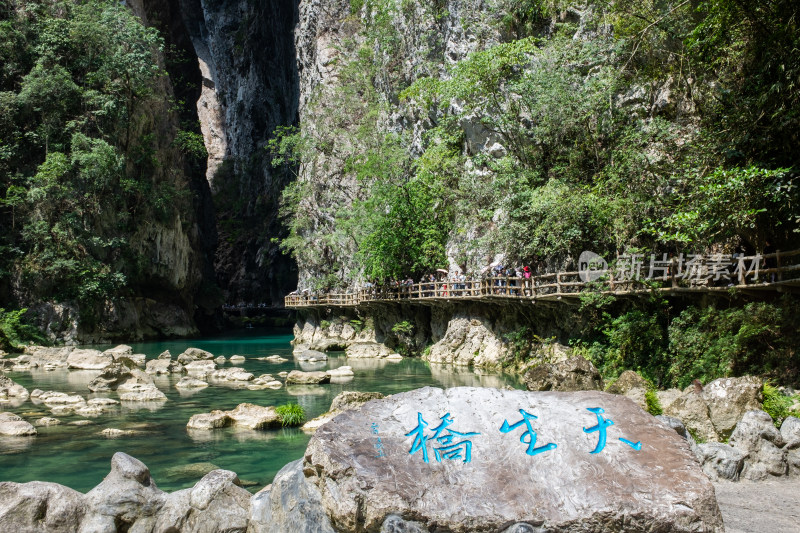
(673, 125)
(403, 328)
(777, 405)
(671, 347)
(291, 414)
(325, 324)
(15, 332)
(82, 160)
(653, 405)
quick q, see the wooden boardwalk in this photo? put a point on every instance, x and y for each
(747, 276)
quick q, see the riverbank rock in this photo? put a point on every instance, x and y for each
(365, 350)
(87, 359)
(15, 426)
(756, 436)
(711, 412)
(626, 381)
(344, 401)
(244, 415)
(11, 389)
(307, 378)
(194, 354)
(366, 467)
(790, 431)
(720, 461)
(41, 356)
(574, 374)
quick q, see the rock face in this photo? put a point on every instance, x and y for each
(39, 506)
(574, 374)
(361, 474)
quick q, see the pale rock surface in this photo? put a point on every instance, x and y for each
(346, 483)
(626, 381)
(46, 421)
(311, 355)
(237, 359)
(469, 340)
(201, 368)
(341, 372)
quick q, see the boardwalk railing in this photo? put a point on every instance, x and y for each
(560, 285)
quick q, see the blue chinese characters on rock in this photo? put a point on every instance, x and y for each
(530, 434)
(447, 443)
(450, 447)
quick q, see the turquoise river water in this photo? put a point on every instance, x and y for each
(79, 457)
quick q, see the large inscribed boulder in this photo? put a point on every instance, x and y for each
(476, 459)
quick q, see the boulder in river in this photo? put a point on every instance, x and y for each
(111, 378)
(474, 459)
(574, 374)
(188, 382)
(88, 359)
(307, 378)
(245, 415)
(344, 401)
(11, 389)
(163, 366)
(194, 354)
(15, 426)
(311, 355)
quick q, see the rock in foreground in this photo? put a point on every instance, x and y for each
(487, 471)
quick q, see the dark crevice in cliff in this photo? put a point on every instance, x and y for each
(185, 77)
(249, 50)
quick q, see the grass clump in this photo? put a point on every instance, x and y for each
(291, 414)
(653, 405)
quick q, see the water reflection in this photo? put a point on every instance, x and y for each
(461, 376)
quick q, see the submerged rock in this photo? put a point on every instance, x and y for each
(574, 374)
(188, 382)
(365, 469)
(46, 421)
(273, 359)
